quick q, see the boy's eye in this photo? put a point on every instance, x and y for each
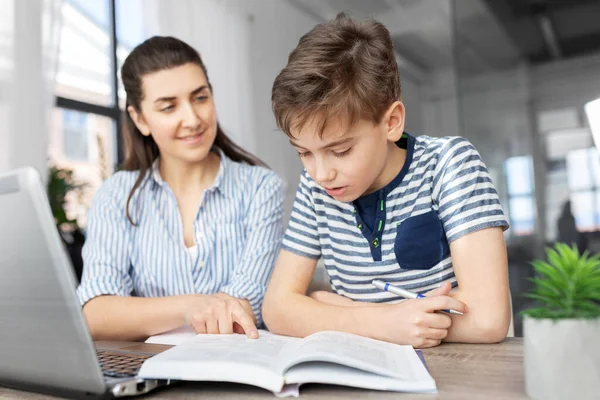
(201, 98)
(167, 108)
(342, 153)
(303, 154)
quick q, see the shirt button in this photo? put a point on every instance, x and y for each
(375, 242)
(360, 226)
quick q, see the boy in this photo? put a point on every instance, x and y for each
(377, 203)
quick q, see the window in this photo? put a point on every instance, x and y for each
(521, 203)
(583, 175)
(85, 137)
(75, 135)
(84, 58)
(84, 143)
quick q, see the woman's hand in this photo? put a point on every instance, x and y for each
(220, 313)
(246, 304)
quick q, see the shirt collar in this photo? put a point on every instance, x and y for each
(222, 181)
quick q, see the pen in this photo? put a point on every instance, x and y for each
(386, 287)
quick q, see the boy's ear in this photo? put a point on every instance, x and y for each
(139, 121)
(394, 121)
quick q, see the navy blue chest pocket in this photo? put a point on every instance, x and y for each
(421, 242)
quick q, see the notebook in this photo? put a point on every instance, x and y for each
(275, 362)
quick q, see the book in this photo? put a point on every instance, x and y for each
(173, 337)
(274, 362)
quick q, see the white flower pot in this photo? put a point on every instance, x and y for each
(562, 358)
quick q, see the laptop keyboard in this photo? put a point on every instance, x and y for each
(119, 365)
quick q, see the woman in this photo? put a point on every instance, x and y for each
(188, 231)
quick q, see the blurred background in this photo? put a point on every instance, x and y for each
(518, 78)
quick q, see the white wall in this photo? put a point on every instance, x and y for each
(7, 19)
(412, 99)
(276, 28)
(5, 139)
(440, 104)
(495, 115)
(570, 83)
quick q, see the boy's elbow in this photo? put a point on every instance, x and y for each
(492, 330)
(487, 321)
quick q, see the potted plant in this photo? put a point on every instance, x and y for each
(60, 184)
(562, 334)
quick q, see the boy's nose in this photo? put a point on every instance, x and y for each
(325, 174)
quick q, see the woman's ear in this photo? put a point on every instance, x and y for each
(138, 120)
(394, 121)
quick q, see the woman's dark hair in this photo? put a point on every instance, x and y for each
(156, 54)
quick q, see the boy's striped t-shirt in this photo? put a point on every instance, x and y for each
(444, 192)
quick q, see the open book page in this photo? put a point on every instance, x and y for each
(335, 374)
(364, 354)
(226, 358)
(325, 357)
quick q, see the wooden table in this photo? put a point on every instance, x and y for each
(461, 371)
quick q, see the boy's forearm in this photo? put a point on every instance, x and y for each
(337, 300)
(299, 315)
(478, 326)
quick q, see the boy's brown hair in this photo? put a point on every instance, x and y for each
(343, 68)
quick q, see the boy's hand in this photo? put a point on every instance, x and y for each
(416, 322)
(220, 313)
(413, 322)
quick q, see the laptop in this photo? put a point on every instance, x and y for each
(45, 345)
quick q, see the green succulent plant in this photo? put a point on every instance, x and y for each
(567, 285)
